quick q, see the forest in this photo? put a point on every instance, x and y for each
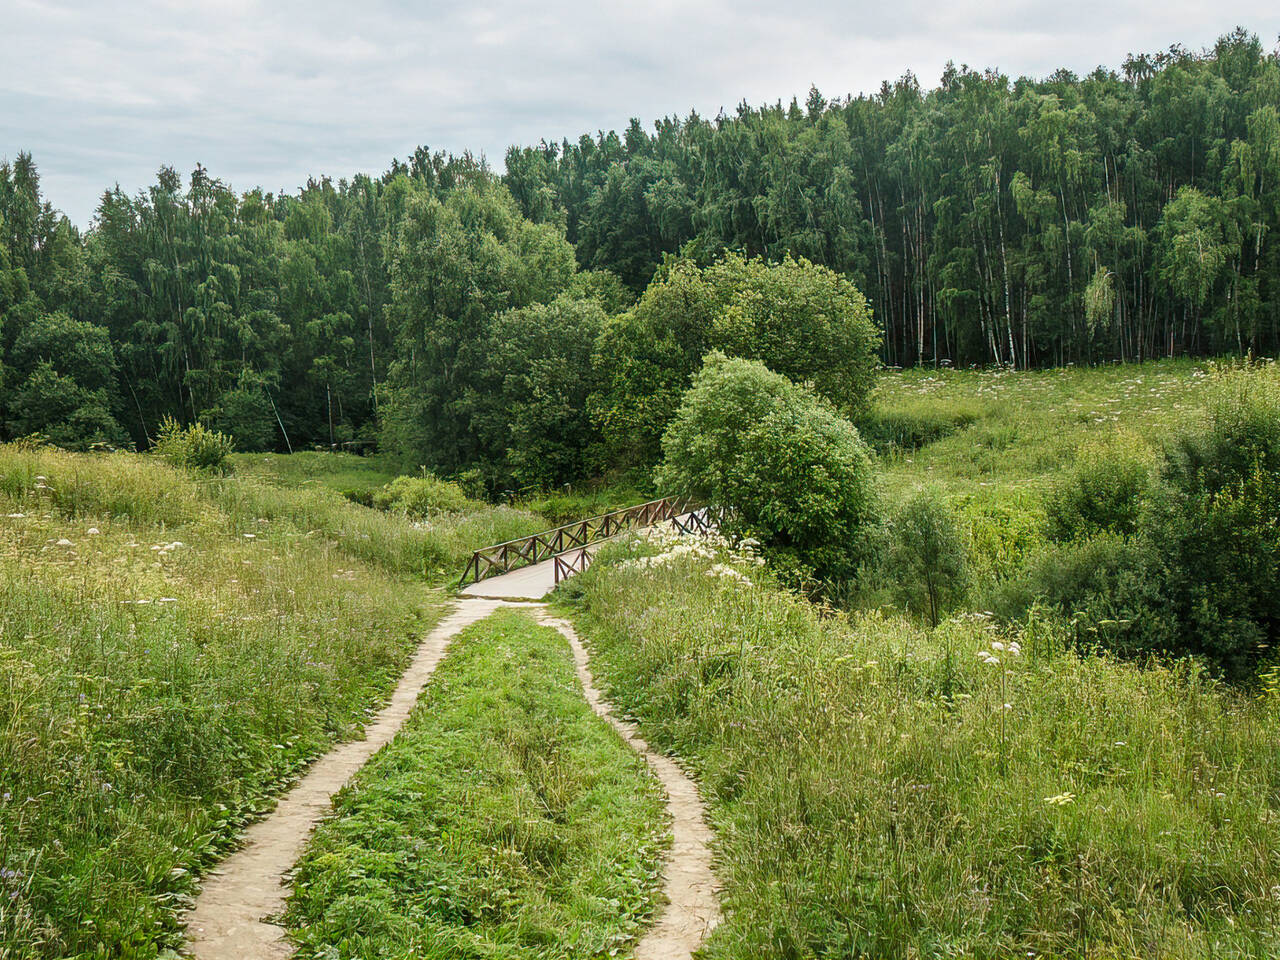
(513, 327)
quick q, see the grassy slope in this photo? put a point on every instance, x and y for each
(1006, 431)
(307, 489)
(343, 473)
(505, 821)
(880, 790)
(153, 695)
(991, 441)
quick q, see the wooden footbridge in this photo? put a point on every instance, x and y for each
(531, 567)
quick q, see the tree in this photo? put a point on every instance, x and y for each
(927, 559)
(791, 472)
(455, 264)
(1193, 248)
(531, 406)
(63, 372)
(802, 320)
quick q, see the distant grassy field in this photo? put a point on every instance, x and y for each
(506, 820)
(310, 489)
(992, 433)
(992, 441)
(344, 473)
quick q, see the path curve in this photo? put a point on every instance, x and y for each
(693, 908)
(232, 918)
(234, 915)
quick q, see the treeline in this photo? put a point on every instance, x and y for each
(1117, 216)
(540, 325)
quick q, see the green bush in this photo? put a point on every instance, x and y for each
(793, 473)
(1104, 493)
(799, 319)
(1100, 580)
(927, 558)
(195, 446)
(1212, 531)
(421, 497)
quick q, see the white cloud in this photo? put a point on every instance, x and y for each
(268, 93)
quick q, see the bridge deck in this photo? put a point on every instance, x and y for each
(528, 583)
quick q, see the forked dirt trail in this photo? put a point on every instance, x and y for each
(693, 908)
(233, 916)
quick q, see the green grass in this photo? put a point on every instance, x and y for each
(505, 820)
(873, 795)
(353, 476)
(991, 442)
(168, 660)
(1007, 431)
(315, 490)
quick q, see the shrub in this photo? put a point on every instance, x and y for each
(793, 473)
(1098, 581)
(196, 446)
(421, 497)
(1212, 531)
(927, 557)
(1104, 493)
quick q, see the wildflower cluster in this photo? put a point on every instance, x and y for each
(991, 657)
(725, 559)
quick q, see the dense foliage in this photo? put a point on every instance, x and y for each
(1125, 214)
(467, 319)
(791, 473)
(800, 320)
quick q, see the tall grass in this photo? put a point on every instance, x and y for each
(506, 820)
(313, 491)
(881, 790)
(991, 434)
(172, 651)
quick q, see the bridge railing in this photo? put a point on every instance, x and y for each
(504, 557)
(699, 520)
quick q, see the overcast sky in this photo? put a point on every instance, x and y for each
(268, 93)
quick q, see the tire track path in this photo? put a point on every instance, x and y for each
(234, 915)
(693, 908)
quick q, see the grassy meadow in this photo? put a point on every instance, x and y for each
(993, 434)
(992, 442)
(506, 820)
(173, 649)
(881, 789)
(314, 490)
(984, 788)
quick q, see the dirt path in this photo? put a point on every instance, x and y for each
(234, 914)
(693, 908)
(232, 917)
